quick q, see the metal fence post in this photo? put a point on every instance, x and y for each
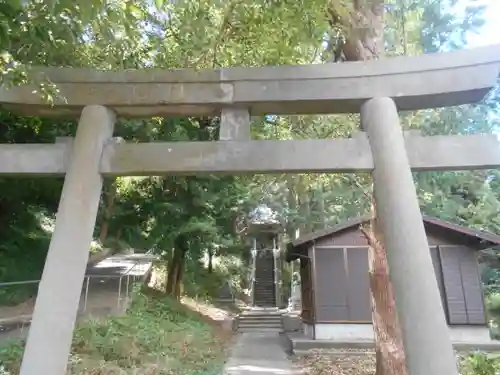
(119, 290)
(86, 293)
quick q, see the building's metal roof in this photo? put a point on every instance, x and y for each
(294, 248)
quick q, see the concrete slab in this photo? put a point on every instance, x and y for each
(259, 354)
(300, 345)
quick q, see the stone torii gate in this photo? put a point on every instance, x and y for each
(376, 89)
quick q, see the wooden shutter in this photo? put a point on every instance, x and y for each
(331, 288)
(436, 262)
(462, 285)
(358, 285)
(471, 283)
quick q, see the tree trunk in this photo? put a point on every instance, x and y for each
(292, 205)
(108, 210)
(172, 272)
(210, 261)
(390, 355)
(364, 27)
(179, 275)
(176, 267)
(322, 209)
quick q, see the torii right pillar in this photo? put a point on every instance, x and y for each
(426, 337)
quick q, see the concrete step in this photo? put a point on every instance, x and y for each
(260, 330)
(260, 321)
(334, 354)
(261, 311)
(260, 316)
(308, 344)
(265, 302)
(259, 326)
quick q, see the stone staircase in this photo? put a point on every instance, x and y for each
(264, 288)
(260, 320)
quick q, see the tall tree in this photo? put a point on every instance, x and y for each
(363, 26)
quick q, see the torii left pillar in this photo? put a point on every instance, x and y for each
(51, 332)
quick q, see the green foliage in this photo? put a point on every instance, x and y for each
(27, 207)
(157, 334)
(492, 301)
(479, 363)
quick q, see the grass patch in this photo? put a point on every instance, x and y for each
(157, 336)
(321, 363)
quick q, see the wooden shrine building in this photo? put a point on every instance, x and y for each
(335, 283)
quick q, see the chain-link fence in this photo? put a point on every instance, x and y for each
(106, 290)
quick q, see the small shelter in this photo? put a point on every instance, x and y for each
(335, 286)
